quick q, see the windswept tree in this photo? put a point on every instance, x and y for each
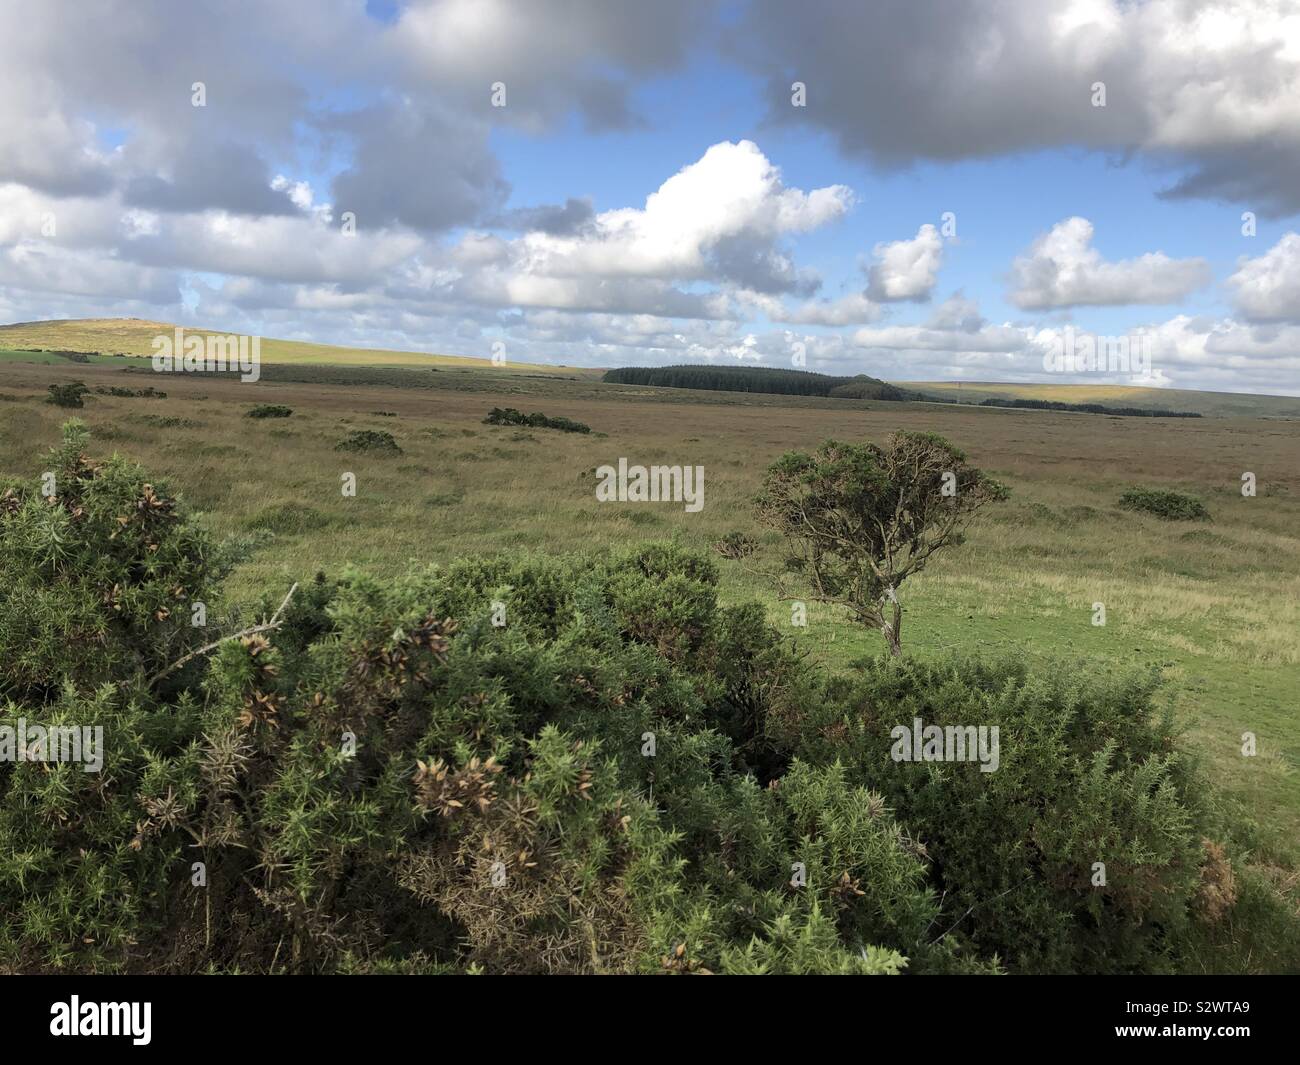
(859, 519)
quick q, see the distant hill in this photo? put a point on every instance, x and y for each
(1210, 404)
(762, 379)
(134, 337)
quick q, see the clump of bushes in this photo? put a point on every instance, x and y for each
(269, 410)
(1171, 506)
(510, 416)
(736, 544)
(557, 765)
(368, 440)
(131, 393)
(159, 421)
(69, 395)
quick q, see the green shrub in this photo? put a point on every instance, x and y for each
(98, 588)
(1171, 506)
(269, 410)
(368, 440)
(131, 393)
(69, 395)
(1088, 771)
(510, 416)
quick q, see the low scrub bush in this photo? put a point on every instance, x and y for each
(269, 410)
(1171, 506)
(736, 544)
(131, 393)
(510, 416)
(69, 395)
(368, 440)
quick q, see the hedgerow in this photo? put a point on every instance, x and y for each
(553, 765)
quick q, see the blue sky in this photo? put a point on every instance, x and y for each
(1001, 204)
(778, 227)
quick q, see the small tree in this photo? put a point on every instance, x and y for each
(859, 519)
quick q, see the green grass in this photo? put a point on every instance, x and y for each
(43, 358)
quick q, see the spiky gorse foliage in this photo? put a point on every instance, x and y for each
(859, 519)
(620, 779)
(99, 575)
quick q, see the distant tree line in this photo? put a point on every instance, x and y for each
(764, 379)
(1089, 408)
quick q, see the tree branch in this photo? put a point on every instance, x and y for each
(275, 622)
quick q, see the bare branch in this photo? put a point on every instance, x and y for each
(275, 622)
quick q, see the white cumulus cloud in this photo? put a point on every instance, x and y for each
(1063, 269)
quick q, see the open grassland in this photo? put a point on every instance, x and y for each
(1215, 606)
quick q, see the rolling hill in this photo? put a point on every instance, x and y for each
(134, 337)
(112, 338)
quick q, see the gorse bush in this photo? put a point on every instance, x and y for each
(368, 440)
(269, 410)
(69, 395)
(1088, 772)
(551, 765)
(130, 393)
(99, 577)
(510, 416)
(1171, 506)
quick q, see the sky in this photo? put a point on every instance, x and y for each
(918, 190)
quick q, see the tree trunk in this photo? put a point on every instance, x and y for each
(895, 648)
(893, 630)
